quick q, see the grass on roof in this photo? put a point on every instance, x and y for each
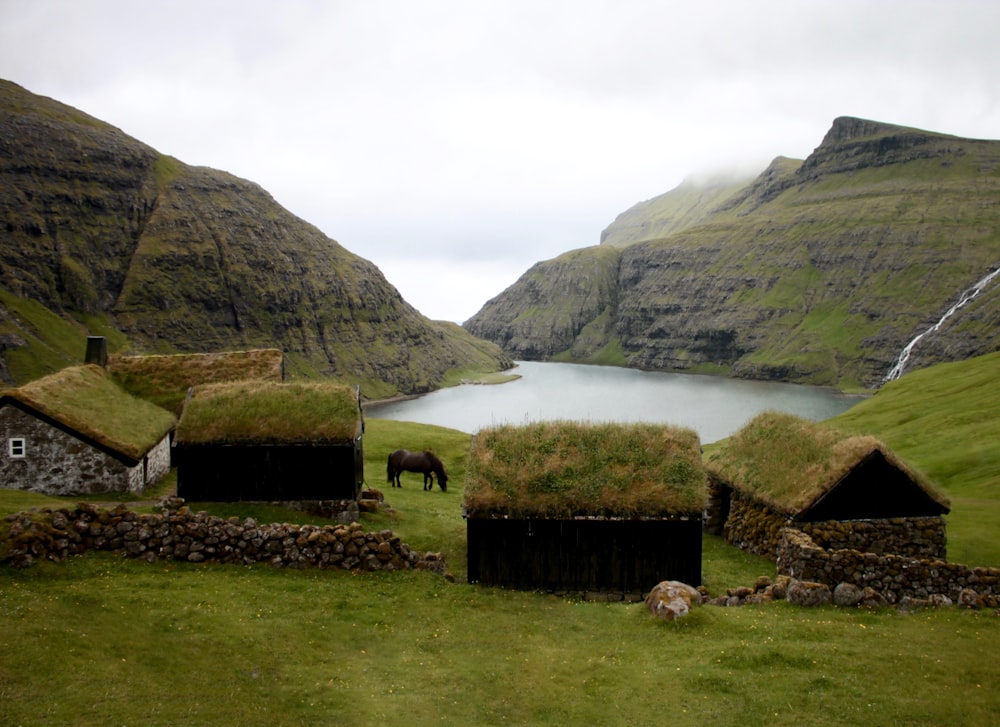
(265, 412)
(788, 462)
(88, 400)
(165, 380)
(566, 469)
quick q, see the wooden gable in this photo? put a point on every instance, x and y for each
(873, 489)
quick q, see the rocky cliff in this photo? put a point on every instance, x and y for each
(102, 234)
(817, 271)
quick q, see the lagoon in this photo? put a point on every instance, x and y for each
(714, 406)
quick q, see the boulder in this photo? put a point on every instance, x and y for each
(968, 598)
(807, 593)
(846, 595)
(870, 598)
(670, 600)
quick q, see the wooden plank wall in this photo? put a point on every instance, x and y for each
(583, 555)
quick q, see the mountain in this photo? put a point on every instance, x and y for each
(103, 235)
(817, 271)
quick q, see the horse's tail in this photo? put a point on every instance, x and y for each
(388, 469)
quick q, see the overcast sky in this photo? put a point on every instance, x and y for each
(454, 143)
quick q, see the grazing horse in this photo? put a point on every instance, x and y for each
(425, 462)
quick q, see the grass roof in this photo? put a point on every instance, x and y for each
(789, 463)
(86, 399)
(266, 412)
(165, 380)
(566, 469)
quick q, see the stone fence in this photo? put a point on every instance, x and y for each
(894, 576)
(179, 534)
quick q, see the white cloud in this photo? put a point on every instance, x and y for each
(487, 136)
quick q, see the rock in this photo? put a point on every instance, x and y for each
(846, 595)
(908, 604)
(779, 589)
(870, 598)
(968, 598)
(807, 593)
(940, 600)
(671, 600)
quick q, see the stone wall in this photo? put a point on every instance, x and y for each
(754, 527)
(157, 462)
(179, 534)
(918, 537)
(894, 576)
(57, 463)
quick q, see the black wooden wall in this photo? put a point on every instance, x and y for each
(231, 473)
(596, 555)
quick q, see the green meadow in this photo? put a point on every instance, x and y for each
(99, 640)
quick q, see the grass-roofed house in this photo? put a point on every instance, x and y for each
(844, 491)
(566, 506)
(166, 379)
(77, 432)
(264, 441)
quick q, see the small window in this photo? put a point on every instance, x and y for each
(16, 447)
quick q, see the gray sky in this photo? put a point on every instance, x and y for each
(454, 143)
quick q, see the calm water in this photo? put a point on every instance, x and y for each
(713, 406)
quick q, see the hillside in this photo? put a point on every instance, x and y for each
(102, 234)
(818, 271)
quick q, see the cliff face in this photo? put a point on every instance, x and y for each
(100, 233)
(819, 271)
(556, 306)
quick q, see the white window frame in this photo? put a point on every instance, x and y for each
(17, 447)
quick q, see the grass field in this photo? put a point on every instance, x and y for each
(100, 640)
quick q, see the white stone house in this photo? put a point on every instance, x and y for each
(78, 432)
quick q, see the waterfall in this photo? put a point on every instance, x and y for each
(970, 294)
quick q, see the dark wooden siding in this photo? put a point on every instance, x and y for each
(583, 555)
(873, 489)
(231, 473)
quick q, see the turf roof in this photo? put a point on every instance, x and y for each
(789, 463)
(568, 469)
(165, 380)
(266, 412)
(87, 400)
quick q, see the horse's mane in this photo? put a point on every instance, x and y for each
(436, 463)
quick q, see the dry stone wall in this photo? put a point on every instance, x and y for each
(753, 527)
(179, 534)
(918, 537)
(756, 528)
(895, 577)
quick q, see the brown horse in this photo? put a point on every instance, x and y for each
(425, 462)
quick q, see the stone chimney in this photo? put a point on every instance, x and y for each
(97, 351)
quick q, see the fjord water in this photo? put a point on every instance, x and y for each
(713, 406)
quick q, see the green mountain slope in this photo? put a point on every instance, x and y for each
(818, 271)
(685, 206)
(101, 234)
